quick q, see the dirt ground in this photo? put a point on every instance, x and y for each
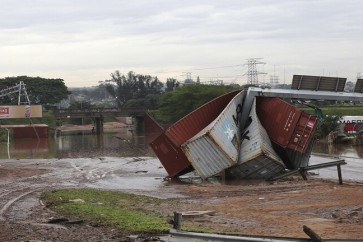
(251, 207)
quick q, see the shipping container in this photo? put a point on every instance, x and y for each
(194, 122)
(285, 124)
(294, 159)
(151, 125)
(167, 146)
(303, 132)
(216, 147)
(171, 156)
(257, 158)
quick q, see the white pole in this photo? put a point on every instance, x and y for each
(8, 144)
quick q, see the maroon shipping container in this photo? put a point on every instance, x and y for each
(286, 125)
(303, 132)
(171, 156)
(151, 125)
(167, 146)
(191, 124)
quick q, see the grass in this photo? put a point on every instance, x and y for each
(126, 212)
(340, 110)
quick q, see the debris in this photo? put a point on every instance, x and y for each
(192, 214)
(77, 200)
(57, 220)
(314, 236)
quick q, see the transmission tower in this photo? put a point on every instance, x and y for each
(274, 80)
(252, 72)
(19, 89)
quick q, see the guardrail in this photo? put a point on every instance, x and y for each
(303, 170)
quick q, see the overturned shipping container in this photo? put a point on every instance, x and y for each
(291, 130)
(171, 156)
(285, 124)
(294, 159)
(216, 147)
(167, 145)
(257, 158)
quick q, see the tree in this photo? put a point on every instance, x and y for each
(132, 86)
(40, 90)
(171, 84)
(175, 105)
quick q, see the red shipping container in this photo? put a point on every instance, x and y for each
(285, 124)
(167, 146)
(303, 132)
(191, 124)
(171, 156)
(151, 125)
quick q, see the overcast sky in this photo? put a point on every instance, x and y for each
(83, 41)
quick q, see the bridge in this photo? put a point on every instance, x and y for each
(98, 114)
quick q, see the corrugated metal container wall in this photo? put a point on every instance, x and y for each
(257, 158)
(171, 156)
(279, 118)
(303, 132)
(216, 147)
(294, 159)
(190, 125)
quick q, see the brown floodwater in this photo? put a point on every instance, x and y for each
(125, 143)
(122, 143)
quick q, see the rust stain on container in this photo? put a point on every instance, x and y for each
(285, 124)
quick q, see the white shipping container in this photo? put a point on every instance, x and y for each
(216, 147)
(257, 158)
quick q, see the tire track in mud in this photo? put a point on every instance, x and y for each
(18, 190)
(13, 193)
(7, 204)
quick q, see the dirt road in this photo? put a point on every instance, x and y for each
(255, 208)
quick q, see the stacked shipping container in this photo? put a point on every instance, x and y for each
(257, 158)
(209, 139)
(171, 156)
(216, 147)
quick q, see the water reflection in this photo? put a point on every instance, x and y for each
(342, 150)
(123, 143)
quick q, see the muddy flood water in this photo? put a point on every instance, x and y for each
(125, 143)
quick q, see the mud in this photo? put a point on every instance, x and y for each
(250, 207)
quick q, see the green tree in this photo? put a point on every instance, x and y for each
(81, 105)
(132, 86)
(329, 124)
(40, 90)
(171, 84)
(174, 105)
